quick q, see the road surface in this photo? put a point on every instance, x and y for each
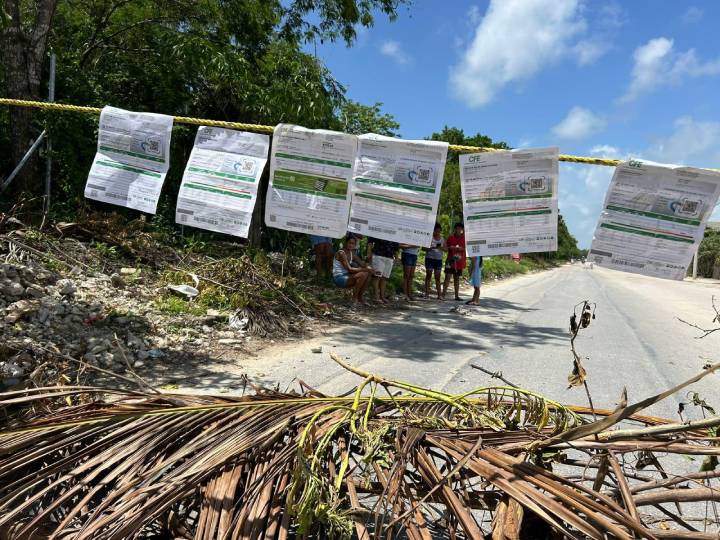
(521, 329)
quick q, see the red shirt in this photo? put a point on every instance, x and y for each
(453, 253)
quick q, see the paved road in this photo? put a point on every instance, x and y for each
(521, 329)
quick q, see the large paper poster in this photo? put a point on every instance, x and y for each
(510, 201)
(396, 188)
(220, 184)
(310, 172)
(132, 159)
(654, 218)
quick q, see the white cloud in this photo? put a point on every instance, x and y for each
(589, 51)
(693, 15)
(657, 63)
(605, 150)
(394, 50)
(513, 41)
(692, 142)
(579, 124)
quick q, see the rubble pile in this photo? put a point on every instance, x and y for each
(104, 321)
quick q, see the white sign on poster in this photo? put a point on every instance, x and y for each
(132, 159)
(220, 183)
(310, 172)
(396, 188)
(510, 201)
(654, 218)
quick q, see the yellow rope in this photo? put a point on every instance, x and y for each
(269, 129)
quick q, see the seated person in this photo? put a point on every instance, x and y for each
(346, 275)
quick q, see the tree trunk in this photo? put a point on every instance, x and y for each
(23, 58)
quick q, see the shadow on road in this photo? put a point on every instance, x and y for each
(428, 332)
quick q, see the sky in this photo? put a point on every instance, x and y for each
(599, 78)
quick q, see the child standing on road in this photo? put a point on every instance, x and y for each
(456, 259)
(433, 261)
(475, 280)
(409, 262)
(381, 256)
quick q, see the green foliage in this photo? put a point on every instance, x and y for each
(497, 267)
(567, 244)
(239, 60)
(104, 250)
(177, 306)
(709, 254)
(357, 118)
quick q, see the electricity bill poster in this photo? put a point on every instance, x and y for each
(220, 184)
(310, 172)
(510, 201)
(132, 159)
(654, 218)
(396, 188)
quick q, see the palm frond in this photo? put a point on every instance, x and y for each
(372, 464)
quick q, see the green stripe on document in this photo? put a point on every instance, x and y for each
(310, 192)
(333, 188)
(219, 174)
(393, 201)
(395, 185)
(509, 214)
(645, 233)
(314, 160)
(209, 189)
(664, 217)
(128, 168)
(512, 198)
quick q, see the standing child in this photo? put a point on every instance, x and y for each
(433, 261)
(381, 256)
(456, 259)
(323, 249)
(475, 280)
(409, 261)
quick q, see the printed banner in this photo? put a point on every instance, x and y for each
(132, 159)
(396, 188)
(510, 201)
(310, 172)
(654, 218)
(220, 184)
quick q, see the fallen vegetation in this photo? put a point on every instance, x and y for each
(499, 462)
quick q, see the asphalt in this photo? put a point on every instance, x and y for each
(521, 329)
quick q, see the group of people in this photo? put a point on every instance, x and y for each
(350, 270)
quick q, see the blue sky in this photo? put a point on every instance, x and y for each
(613, 79)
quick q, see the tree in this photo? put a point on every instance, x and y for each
(24, 30)
(354, 117)
(567, 243)
(227, 59)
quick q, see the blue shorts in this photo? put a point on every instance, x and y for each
(433, 264)
(409, 259)
(341, 280)
(317, 240)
